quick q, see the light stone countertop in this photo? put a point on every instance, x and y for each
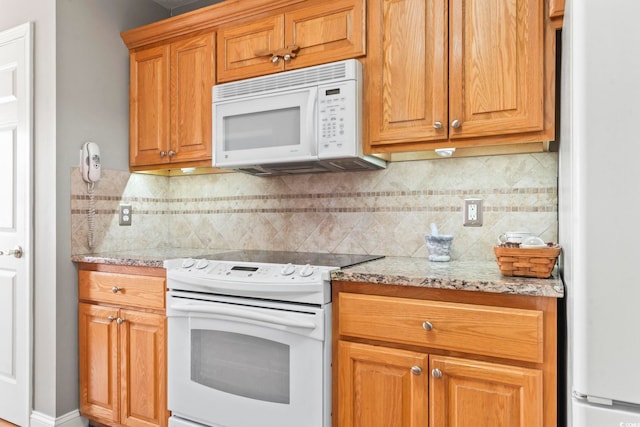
(143, 257)
(480, 276)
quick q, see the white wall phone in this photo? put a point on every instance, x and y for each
(90, 165)
(90, 168)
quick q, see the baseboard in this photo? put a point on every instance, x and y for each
(71, 419)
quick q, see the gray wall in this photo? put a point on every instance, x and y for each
(92, 104)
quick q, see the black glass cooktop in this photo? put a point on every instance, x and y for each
(297, 258)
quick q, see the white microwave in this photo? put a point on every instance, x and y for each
(300, 121)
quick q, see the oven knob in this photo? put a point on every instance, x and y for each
(186, 263)
(306, 271)
(287, 269)
(202, 264)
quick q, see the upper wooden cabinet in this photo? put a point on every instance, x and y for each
(320, 33)
(170, 103)
(464, 74)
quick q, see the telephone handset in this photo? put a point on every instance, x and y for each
(90, 165)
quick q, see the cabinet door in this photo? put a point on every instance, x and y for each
(98, 359)
(377, 387)
(329, 31)
(468, 392)
(496, 67)
(406, 72)
(149, 106)
(192, 65)
(143, 365)
(243, 50)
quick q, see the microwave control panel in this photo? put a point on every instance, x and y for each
(338, 119)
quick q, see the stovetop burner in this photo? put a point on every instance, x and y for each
(296, 258)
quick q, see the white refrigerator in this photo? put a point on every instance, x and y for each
(599, 210)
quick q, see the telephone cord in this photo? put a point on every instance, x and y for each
(91, 213)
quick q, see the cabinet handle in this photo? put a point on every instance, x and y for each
(416, 370)
(115, 289)
(455, 124)
(172, 153)
(437, 125)
(111, 318)
(427, 326)
(436, 373)
(286, 53)
(163, 154)
(120, 320)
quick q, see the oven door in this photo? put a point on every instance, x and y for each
(277, 128)
(238, 363)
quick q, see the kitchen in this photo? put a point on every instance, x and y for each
(104, 120)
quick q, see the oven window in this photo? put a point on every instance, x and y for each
(242, 365)
(264, 129)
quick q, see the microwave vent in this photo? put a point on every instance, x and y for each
(311, 76)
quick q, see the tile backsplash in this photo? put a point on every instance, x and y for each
(380, 212)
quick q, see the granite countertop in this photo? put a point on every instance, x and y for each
(481, 276)
(143, 257)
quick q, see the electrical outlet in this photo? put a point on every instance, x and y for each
(125, 214)
(472, 213)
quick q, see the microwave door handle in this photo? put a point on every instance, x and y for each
(312, 120)
(241, 315)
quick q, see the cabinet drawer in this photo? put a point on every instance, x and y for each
(492, 331)
(122, 289)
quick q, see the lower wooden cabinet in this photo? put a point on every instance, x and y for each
(387, 387)
(442, 358)
(122, 349)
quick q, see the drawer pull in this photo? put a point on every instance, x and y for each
(436, 373)
(120, 320)
(115, 289)
(427, 326)
(111, 318)
(416, 370)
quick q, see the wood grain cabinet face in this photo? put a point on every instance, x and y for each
(170, 102)
(493, 331)
(149, 106)
(99, 372)
(441, 74)
(326, 32)
(490, 394)
(381, 386)
(122, 349)
(496, 72)
(406, 71)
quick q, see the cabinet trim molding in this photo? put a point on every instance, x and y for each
(201, 19)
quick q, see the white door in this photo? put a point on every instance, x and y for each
(15, 223)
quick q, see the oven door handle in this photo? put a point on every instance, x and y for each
(243, 315)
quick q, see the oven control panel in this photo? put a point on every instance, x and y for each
(253, 272)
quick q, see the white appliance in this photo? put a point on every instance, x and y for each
(249, 339)
(598, 203)
(300, 121)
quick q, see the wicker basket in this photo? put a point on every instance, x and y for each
(527, 262)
